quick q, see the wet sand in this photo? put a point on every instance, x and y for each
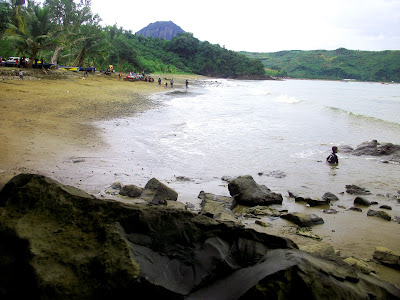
(47, 127)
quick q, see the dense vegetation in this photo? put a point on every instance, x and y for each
(335, 64)
(66, 32)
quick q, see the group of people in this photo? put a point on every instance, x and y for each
(172, 83)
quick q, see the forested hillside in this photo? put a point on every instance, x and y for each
(66, 32)
(335, 64)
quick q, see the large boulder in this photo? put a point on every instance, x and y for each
(373, 148)
(387, 257)
(156, 192)
(247, 192)
(58, 242)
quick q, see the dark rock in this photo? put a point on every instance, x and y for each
(345, 149)
(226, 178)
(275, 174)
(156, 192)
(131, 190)
(385, 207)
(183, 178)
(374, 148)
(312, 202)
(330, 197)
(299, 199)
(247, 192)
(292, 195)
(355, 209)
(374, 203)
(379, 214)
(387, 257)
(108, 250)
(356, 190)
(303, 220)
(316, 202)
(330, 211)
(362, 201)
(366, 147)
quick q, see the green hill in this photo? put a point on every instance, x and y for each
(332, 64)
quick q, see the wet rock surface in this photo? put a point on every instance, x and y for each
(303, 220)
(247, 192)
(62, 241)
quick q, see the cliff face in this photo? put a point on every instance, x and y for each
(163, 30)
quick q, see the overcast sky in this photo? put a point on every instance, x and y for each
(268, 26)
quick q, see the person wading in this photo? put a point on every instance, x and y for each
(332, 159)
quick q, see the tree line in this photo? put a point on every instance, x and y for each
(333, 64)
(66, 32)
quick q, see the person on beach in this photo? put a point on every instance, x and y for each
(21, 75)
(172, 83)
(187, 83)
(332, 159)
(159, 81)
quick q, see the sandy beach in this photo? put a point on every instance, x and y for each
(47, 127)
(43, 119)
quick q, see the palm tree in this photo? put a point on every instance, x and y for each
(90, 41)
(37, 34)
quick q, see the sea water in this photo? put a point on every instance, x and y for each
(219, 128)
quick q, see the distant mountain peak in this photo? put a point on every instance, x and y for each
(161, 29)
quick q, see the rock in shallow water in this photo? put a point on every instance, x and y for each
(303, 220)
(380, 214)
(247, 192)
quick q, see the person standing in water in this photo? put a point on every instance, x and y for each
(332, 159)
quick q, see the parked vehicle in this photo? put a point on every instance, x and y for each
(15, 61)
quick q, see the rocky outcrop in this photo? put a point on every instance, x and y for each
(387, 257)
(217, 207)
(373, 148)
(247, 192)
(59, 242)
(162, 29)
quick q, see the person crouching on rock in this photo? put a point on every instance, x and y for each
(332, 159)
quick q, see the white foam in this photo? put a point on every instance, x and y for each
(287, 99)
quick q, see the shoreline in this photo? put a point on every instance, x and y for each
(46, 118)
(49, 129)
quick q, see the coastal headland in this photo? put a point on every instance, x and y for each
(47, 118)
